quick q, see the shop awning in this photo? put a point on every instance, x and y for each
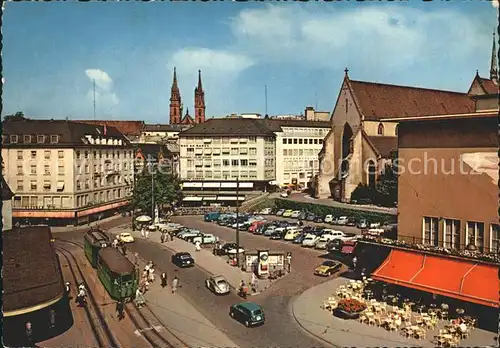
(462, 279)
(347, 249)
(192, 199)
(211, 184)
(210, 198)
(246, 184)
(192, 184)
(230, 198)
(228, 185)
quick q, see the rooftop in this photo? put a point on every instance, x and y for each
(31, 271)
(163, 127)
(115, 260)
(483, 114)
(125, 127)
(383, 101)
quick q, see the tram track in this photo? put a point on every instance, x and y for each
(100, 328)
(147, 323)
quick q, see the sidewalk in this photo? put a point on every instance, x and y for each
(204, 259)
(322, 324)
(179, 316)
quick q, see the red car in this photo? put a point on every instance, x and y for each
(253, 227)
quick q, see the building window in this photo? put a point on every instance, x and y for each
(60, 170)
(27, 139)
(234, 151)
(431, 236)
(87, 154)
(78, 155)
(452, 234)
(380, 130)
(252, 174)
(33, 185)
(475, 234)
(234, 162)
(20, 155)
(495, 238)
(225, 163)
(46, 154)
(46, 185)
(33, 169)
(13, 139)
(252, 163)
(46, 169)
(243, 162)
(20, 185)
(60, 154)
(320, 141)
(253, 151)
(284, 140)
(33, 154)
(19, 169)
(310, 141)
(54, 139)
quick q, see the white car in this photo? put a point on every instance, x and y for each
(295, 214)
(266, 211)
(284, 195)
(218, 285)
(206, 239)
(375, 225)
(189, 233)
(342, 220)
(232, 251)
(125, 237)
(280, 212)
(310, 241)
(329, 219)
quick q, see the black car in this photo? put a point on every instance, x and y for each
(334, 245)
(318, 219)
(183, 260)
(351, 221)
(278, 235)
(310, 217)
(300, 238)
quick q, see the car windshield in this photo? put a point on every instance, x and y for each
(185, 256)
(125, 235)
(328, 263)
(257, 312)
(221, 282)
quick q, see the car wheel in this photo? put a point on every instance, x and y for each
(247, 323)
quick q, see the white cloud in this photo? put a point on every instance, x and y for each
(388, 36)
(101, 78)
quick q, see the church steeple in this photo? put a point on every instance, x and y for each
(494, 65)
(199, 101)
(175, 102)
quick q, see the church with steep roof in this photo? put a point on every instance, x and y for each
(176, 106)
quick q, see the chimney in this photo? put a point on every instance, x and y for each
(309, 113)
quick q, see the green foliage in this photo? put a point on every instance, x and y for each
(322, 210)
(167, 191)
(17, 116)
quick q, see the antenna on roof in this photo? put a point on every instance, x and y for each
(265, 93)
(93, 82)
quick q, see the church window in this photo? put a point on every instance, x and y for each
(380, 130)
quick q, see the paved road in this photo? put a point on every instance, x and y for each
(301, 197)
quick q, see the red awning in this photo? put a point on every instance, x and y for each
(347, 249)
(465, 280)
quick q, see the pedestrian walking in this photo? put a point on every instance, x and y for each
(67, 286)
(115, 243)
(120, 309)
(143, 233)
(147, 233)
(151, 277)
(175, 284)
(124, 249)
(254, 282)
(198, 245)
(354, 262)
(52, 318)
(162, 238)
(164, 280)
(172, 237)
(139, 298)
(29, 333)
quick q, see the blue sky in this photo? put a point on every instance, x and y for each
(53, 51)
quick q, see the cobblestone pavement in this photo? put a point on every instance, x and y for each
(350, 333)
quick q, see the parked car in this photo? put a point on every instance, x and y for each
(125, 237)
(310, 217)
(209, 217)
(188, 233)
(277, 235)
(280, 212)
(302, 216)
(310, 240)
(328, 268)
(218, 285)
(230, 249)
(248, 313)
(183, 260)
(300, 238)
(329, 219)
(318, 219)
(362, 223)
(266, 211)
(295, 214)
(284, 194)
(270, 230)
(255, 225)
(374, 225)
(323, 241)
(206, 239)
(288, 213)
(334, 245)
(292, 234)
(351, 221)
(342, 220)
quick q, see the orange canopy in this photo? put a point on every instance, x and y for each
(465, 280)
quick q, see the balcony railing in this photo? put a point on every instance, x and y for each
(416, 243)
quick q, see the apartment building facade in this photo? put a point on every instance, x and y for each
(298, 143)
(65, 172)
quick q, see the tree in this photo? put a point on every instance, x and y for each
(17, 116)
(167, 191)
(387, 185)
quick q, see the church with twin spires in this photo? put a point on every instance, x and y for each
(176, 106)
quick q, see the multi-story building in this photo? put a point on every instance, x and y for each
(298, 143)
(66, 172)
(6, 206)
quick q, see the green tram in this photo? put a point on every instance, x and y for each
(94, 241)
(118, 275)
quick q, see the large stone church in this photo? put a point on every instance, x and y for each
(176, 106)
(362, 141)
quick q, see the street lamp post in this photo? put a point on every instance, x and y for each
(237, 222)
(152, 193)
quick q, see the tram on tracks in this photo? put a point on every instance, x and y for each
(118, 275)
(94, 241)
